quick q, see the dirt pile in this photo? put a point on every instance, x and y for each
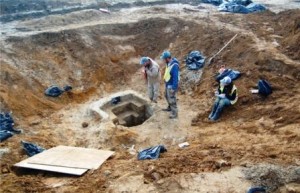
(89, 57)
(102, 58)
(272, 176)
(291, 39)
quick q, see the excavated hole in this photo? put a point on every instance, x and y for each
(128, 110)
(131, 114)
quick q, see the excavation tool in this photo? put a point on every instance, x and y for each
(209, 61)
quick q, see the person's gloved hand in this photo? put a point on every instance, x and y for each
(221, 96)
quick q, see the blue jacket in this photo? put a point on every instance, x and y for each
(173, 82)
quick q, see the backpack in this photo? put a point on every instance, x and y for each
(233, 74)
(264, 88)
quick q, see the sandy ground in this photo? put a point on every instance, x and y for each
(255, 142)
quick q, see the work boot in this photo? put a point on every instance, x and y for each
(173, 116)
(167, 109)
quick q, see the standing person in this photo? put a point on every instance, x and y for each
(171, 78)
(226, 96)
(152, 73)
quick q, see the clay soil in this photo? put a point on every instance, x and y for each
(98, 54)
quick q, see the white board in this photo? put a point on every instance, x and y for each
(65, 170)
(65, 159)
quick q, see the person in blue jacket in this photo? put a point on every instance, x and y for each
(171, 78)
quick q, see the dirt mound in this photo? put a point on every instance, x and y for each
(271, 176)
(103, 58)
(256, 65)
(291, 39)
(93, 61)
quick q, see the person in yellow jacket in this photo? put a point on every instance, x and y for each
(226, 95)
(171, 78)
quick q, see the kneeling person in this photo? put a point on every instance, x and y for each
(226, 95)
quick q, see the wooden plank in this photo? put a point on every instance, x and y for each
(65, 170)
(71, 157)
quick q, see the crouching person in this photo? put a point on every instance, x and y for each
(226, 95)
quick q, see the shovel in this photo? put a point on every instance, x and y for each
(211, 59)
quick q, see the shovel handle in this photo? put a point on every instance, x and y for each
(224, 46)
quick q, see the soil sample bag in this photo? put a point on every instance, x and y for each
(264, 88)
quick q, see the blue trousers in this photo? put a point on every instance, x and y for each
(218, 107)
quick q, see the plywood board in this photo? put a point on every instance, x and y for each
(65, 170)
(73, 157)
(65, 159)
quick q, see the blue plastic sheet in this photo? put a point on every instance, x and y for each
(6, 126)
(6, 122)
(254, 7)
(151, 153)
(233, 8)
(257, 190)
(5, 135)
(31, 148)
(233, 74)
(195, 60)
(241, 2)
(237, 6)
(55, 91)
(214, 2)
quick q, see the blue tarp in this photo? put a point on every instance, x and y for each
(5, 135)
(6, 126)
(233, 8)
(214, 2)
(195, 60)
(257, 190)
(241, 2)
(219, 2)
(151, 153)
(55, 91)
(233, 74)
(237, 6)
(6, 122)
(31, 149)
(255, 7)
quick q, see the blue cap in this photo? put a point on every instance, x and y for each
(226, 80)
(144, 60)
(166, 54)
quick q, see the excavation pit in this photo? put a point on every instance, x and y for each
(125, 108)
(130, 113)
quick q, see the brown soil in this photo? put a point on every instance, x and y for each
(101, 58)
